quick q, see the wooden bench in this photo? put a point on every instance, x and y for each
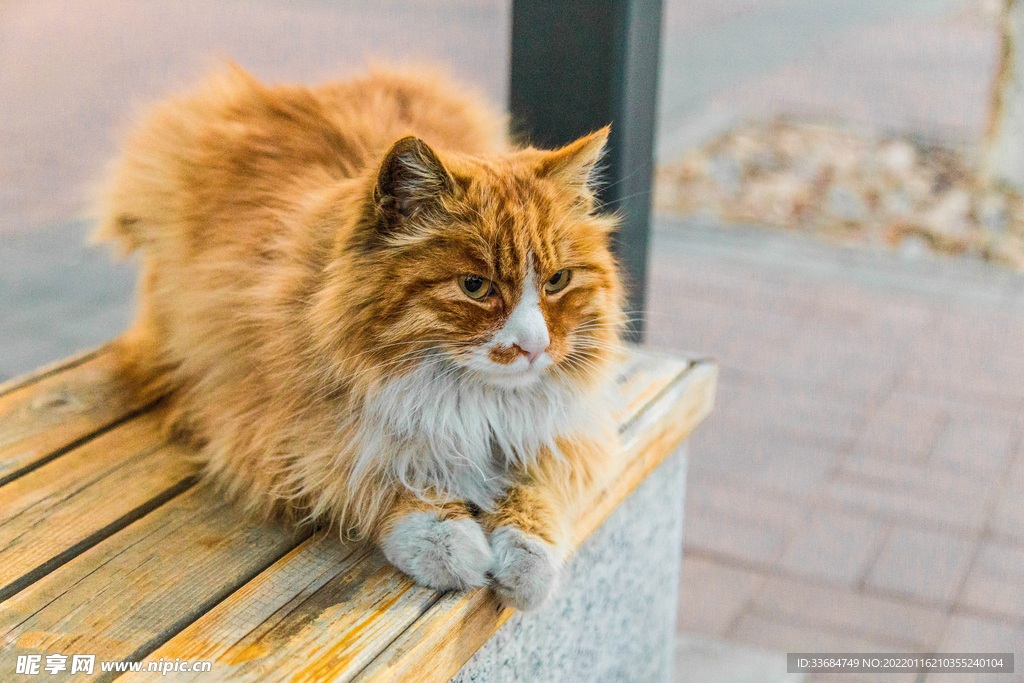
(108, 547)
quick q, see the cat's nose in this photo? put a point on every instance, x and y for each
(534, 355)
(534, 348)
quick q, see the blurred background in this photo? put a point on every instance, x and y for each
(822, 228)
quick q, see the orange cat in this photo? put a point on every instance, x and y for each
(367, 308)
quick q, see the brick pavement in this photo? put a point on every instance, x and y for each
(922, 65)
(859, 485)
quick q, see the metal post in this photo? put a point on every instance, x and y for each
(578, 65)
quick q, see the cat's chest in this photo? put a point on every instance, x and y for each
(452, 413)
(449, 433)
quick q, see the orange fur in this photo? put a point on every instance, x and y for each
(282, 287)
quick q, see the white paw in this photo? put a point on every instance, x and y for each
(526, 569)
(442, 554)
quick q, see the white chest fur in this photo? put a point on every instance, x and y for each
(436, 427)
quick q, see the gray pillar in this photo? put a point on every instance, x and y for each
(578, 65)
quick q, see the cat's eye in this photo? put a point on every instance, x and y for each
(558, 281)
(475, 287)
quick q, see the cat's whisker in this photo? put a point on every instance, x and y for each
(414, 352)
(575, 364)
(413, 359)
(591, 335)
(410, 358)
(393, 344)
(598, 326)
(586, 362)
(620, 200)
(616, 322)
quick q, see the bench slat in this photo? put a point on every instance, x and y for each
(68, 505)
(63, 365)
(134, 590)
(333, 633)
(339, 637)
(247, 636)
(45, 415)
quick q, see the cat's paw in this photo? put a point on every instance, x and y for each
(439, 553)
(526, 569)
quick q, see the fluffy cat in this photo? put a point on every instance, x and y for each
(367, 308)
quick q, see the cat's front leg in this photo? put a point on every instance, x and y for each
(437, 545)
(527, 538)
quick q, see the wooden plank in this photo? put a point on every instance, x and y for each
(59, 408)
(332, 607)
(647, 375)
(242, 636)
(649, 438)
(44, 371)
(68, 505)
(335, 637)
(310, 617)
(137, 588)
(442, 641)
(455, 628)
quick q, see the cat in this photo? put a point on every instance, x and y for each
(366, 307)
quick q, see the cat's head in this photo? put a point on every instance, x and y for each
(500, 264)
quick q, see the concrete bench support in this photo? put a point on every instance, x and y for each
(615, 619)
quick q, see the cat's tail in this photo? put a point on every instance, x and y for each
(140, 207)
(142, 194)
(119, 230)
(145, 197)
(138, 193)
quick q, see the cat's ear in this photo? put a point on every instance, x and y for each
(574, 165)
(411, 179)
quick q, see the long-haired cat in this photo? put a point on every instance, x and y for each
(367, 308)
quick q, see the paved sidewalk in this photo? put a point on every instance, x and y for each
(59, 296)
(858, 487)
(920, 65)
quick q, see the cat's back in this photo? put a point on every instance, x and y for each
(385, 105)
(235, 148)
